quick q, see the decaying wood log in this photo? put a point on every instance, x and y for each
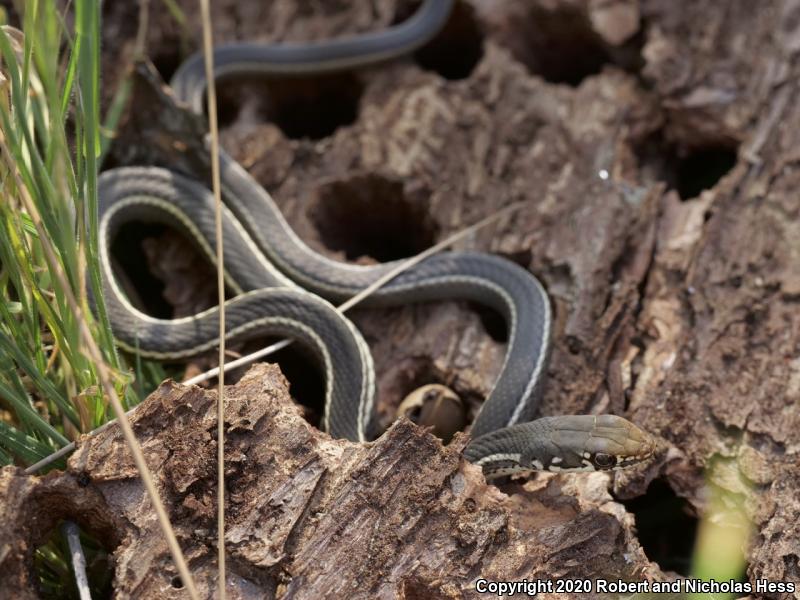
(675, 305)
(309, 516)
(31, 509)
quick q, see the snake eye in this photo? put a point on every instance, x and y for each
(604, 461)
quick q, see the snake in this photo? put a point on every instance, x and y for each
(282, 287)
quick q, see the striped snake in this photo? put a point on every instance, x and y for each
(284, 288)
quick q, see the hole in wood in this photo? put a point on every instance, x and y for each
(146, 256)
(167, 61)
(144, 289)
(701, 169)
(456, 49)
(370, 216)
(303, 107)
(492, 322)
(667, 526)
(303, 371)
(52, 564)
(688, 170)
(559, 45)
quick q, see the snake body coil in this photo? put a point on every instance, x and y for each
(285, 288)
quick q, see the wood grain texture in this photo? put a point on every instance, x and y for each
(677, 312)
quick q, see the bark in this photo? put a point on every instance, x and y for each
(674, 307)
(309, 516)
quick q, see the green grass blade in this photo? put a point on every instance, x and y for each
(25, 412)
(24, 447)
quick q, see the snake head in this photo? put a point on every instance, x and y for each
(558, 444)
(590, 443)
